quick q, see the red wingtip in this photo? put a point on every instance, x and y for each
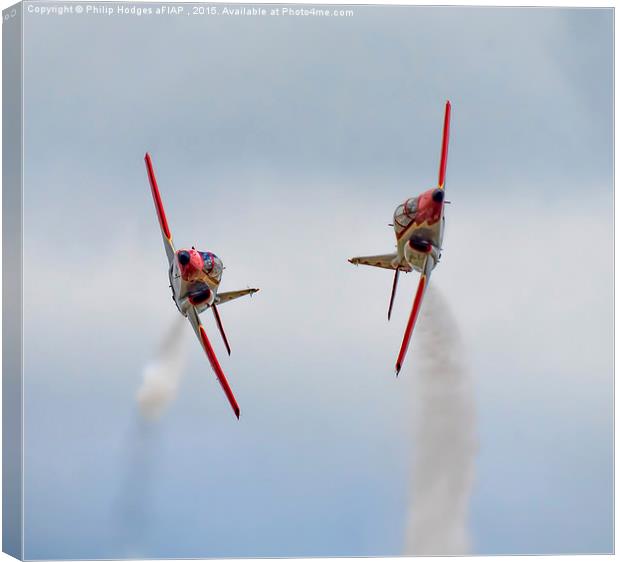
(444, 146)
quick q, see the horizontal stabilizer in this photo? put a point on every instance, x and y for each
(221, 298)
(386, 261)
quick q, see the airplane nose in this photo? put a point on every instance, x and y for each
(438, 195)
(183, 256)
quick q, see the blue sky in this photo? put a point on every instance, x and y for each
(284, 145)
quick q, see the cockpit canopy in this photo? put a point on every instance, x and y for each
(405, 214)
(213, 265)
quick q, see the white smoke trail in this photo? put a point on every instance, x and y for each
(161, 377)
(445, 442)
(158, 389)
(135, 509)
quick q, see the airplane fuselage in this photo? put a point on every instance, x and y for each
(418, 226)
(195, 277)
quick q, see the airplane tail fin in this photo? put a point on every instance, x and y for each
(394, 285)
(220, 326)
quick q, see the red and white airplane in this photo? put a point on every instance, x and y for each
(418, 225)
(195, 277)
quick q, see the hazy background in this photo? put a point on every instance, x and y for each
(284, 145)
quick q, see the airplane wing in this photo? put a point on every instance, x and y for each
(159, 207)
(443, 162)
(192, 316)
(221, 298)
(429, 263)
(386, 261)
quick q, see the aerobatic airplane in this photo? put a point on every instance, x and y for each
(418, 225)
(195, 277)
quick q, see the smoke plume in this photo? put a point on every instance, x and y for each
(161, 377)
(134, 516)
(445, 441)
